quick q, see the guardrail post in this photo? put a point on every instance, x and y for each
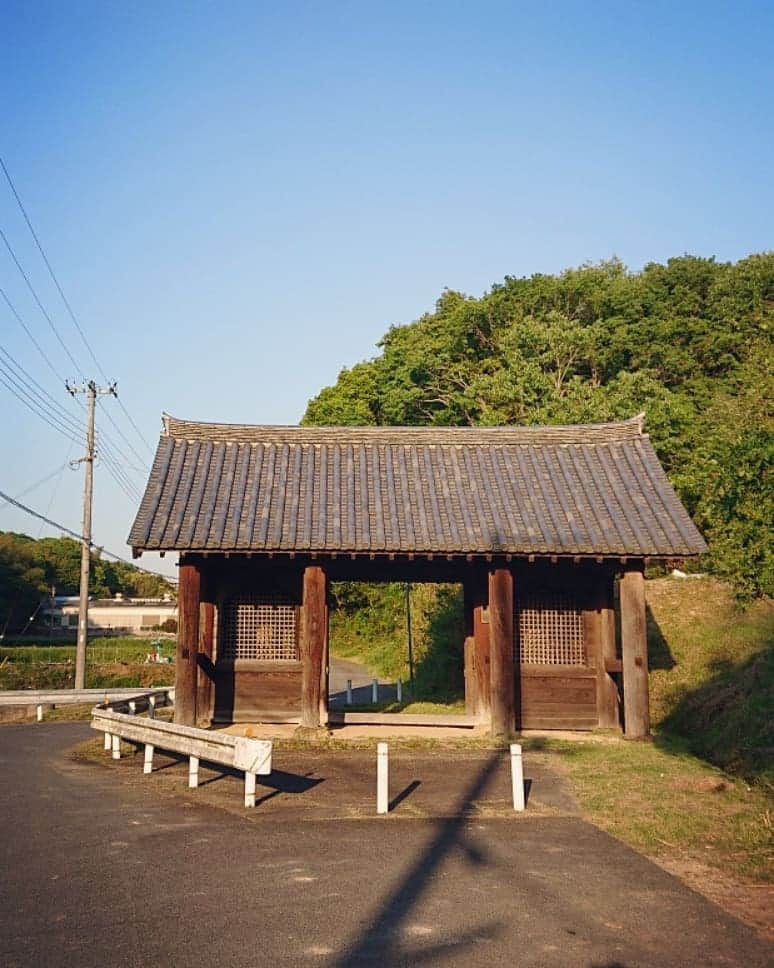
(147, 766)
(107, 741)
(151, 706)
(517, 777)
(382, 778)
(375, 691)
(39, 713)
(132, 707)
(116, 746)
(249, 789)
(399, 690)
(193, 772)
(349, 692)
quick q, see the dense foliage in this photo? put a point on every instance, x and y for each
(29, 569)
(689, 343)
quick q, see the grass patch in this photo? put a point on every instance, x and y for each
(663, 801)
(112, 663)
(100, 651)
(712, 674)
(423, 706)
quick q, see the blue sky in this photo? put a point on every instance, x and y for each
(240, 198)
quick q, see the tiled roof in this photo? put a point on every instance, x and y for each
(578, 490)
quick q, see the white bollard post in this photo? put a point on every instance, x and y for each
(147, 766)
(517, 777)
(249, 789)
(382, 778)
(193, 772)
(349, 692)
(116, 740)
(107, 741)
(151, 707)
(132, 707)
(375, 691)
(399, 690)
(39, 713)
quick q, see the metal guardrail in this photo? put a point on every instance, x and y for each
(59, 697)
(162, 696)
(252, 756)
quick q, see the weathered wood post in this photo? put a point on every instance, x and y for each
(501, 651)
(205, 686)
(469, 650)
(599, 632)
(477, 594)
(312, 644)
(188, 597)
(634, 646)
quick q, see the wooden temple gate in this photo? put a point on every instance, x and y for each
(547, 529)
(540, 645)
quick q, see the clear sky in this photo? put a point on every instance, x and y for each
(238, 199)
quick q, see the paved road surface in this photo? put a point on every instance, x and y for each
(99, 870)
(343, 669)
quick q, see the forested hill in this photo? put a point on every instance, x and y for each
(30, 568)
(689, 343)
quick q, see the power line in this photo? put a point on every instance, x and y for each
(55, 488)
(68, 430)
(36, 344)
(50, 270)
(125, 439)
(102, 435)
(41, 307)
(37, 484)
(39, 391)
(57, 427)
(69, 308)
(79, 537)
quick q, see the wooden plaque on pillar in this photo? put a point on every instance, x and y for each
(501, 651)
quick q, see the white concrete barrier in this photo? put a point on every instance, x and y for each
(517, 777)
(382, 778)
(252, 756)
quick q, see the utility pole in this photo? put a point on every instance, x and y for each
(409, 642)
(92, 391)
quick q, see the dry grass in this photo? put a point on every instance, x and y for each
(665, 802)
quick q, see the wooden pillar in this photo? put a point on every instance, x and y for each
(501, 651)
(608, 696)
(469, 650)
(188, 595)
(205, 692)
(324, 665)
(312, 644)
(634, 646)
(599, 633)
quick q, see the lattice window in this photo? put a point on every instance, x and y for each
(548, 630)
(259, 628)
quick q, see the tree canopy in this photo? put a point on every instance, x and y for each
(689, 343)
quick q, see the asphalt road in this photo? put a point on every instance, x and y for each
(98, 868)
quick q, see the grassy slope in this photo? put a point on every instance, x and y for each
(712, 674)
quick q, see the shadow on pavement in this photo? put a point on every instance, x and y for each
(380, 941)
(404, 794)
